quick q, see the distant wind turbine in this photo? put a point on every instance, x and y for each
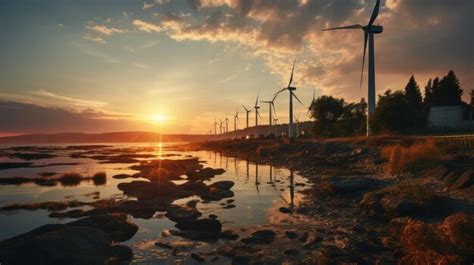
(257, 114)
(236, 119)
(226, 124)
(247, 114)
(220, 126)
(215, 126)
(291, 130)
(312, 101)
(369, 32)
(271, 108)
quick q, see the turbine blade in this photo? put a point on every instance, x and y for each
(314, 94)
(366, 35)
(294, 95)
(292, 71)
(274, 97)
(281, 90)
(256, 102)
(258, 112)
(356, 26)
(245, 108)
(375, 13)
(274, 110)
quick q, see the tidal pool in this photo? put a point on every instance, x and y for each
(259, 192)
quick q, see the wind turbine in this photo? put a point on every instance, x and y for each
(247, 113)
(236, 119)
(312, 101)
(257, 114)
(369, 32)
(271, 106)
(215, 126)
(226, 124)
(291, 131)
(220, 126)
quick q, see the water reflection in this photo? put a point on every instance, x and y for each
(252, 198)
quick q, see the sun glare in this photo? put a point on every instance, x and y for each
(159, 118)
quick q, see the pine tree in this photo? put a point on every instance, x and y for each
(413, 94)
(428, 100)
(448, 92)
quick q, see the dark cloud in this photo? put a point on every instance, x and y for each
(18, 117)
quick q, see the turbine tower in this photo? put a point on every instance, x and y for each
(226, 124)
(291, 129)
(247, 114)
(215, 126)
(369, 32)
(257, 114)
(271, 108)
(236, 119)
(220, 126)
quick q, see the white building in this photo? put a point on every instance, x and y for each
(451, 118)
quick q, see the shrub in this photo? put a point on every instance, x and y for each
(402, 158)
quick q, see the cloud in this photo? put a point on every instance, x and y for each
(424, 37)
(96, 39)
(145, 26)
(73, 101)
(105, 29)
(147, 5)
(26, 118)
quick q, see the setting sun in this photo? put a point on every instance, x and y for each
(159, 118)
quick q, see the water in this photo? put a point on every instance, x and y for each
(260, 190)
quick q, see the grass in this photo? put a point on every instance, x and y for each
(404, 158)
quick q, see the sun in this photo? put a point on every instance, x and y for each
(159, 118)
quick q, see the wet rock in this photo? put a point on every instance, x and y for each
(313, 243)
(210, 228)
(260, 237)
(291, 252)
(229, 235)
(122, 176)
(291, 234)
(229, 206)
(230, 201)
(351, 185)
(182, 214)
(399, 201)
(197, 257)
(285, 210)
(466, 180)
(222, 185)
(204, 174)
(31, 156)
(303, 238)
(213, 216)
(85, 241)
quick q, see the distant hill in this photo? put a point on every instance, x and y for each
(112, 137)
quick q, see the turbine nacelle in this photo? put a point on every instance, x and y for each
(373, 29)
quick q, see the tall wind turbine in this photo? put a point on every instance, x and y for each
(220, 126)
(247, 114)
(369, 32)
(291, 129)
(236, 119)
(271, 108)
(257, 114)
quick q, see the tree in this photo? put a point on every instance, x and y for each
(394, 113)
(448, 92)
(334, 117)
(413, 94)
(428, 93)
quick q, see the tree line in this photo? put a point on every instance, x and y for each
(400, 111)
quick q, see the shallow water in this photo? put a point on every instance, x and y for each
(260, 190)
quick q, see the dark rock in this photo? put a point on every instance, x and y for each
(313, 243)
(285, 210)
(182, 214)
(122, 176)
(85, 241)
(466, 180)
(291, 252)
(213, 216)
(291, 234)
(260, 237)
(304, 237)
(197, 257)
(211, 226)
(229, 235)
(229, 206)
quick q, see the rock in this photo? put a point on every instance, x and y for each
(304, 237)
(122, 176)
(260, 237)
(229, 235)
(85, 241)
(291, 252)
(201, 229)
(313, 243)
(466, 180)
(182, 214)
(204, 174)
(213, 216)
(285, 210)
(229, 206)
(350, 185)
(197, 257)
(230, 201)
(222, 185)
(291, 234)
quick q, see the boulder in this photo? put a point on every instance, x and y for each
(260, 237)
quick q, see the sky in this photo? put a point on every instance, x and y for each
(174, 66)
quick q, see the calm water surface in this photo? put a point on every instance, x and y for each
(260, 190)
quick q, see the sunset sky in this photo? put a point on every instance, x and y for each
(175, 65)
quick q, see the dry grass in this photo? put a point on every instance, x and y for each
(402, 158)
